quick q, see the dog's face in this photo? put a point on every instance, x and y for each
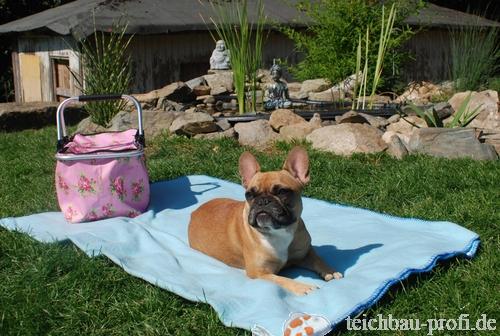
(274, 198)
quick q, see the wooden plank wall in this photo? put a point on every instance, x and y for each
(46, 48)
(158, 60)
(432, 56)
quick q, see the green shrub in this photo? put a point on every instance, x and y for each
(475, 54)
(106, 70)
(331, 40)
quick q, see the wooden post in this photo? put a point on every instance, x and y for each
(17, 77)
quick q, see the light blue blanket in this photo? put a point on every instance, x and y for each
(373, 251)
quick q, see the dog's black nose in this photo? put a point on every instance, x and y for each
(263, 200)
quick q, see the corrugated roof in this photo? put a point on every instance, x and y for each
(143, 16)
(163, 16)
(436, 16)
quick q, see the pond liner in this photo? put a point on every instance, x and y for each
(308, 114)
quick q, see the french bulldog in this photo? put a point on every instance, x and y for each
(265, 233)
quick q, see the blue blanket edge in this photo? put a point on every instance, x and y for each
(469, 251)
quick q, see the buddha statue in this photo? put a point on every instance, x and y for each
(220, 59)
(277, 92)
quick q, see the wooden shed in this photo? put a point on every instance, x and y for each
(172, 42)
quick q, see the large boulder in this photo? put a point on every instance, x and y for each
(405, 126)
(256, 133)
(220, 82)
(315, 85)
(487, 101)
(395, 146)
(86, 126)
(154, 122)
(229, 133)
(192, 123)
(351, 117)
(283, 117)
(450, 143)
(346, 139)
(301, 130)
(178, 92)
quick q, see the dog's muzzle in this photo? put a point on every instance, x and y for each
(267, 212)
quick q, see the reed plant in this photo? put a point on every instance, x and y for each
(475, 56)
(106, 70)
(387, 25)
(244, 40)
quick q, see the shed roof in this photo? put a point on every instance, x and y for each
(143, 16)
(164, 16)
(437, 16)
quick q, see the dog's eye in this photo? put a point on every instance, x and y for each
(283, 191)
(250, 194)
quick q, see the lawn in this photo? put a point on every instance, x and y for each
(55, 289)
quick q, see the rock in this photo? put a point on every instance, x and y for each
(201, 90)
(443, 110)
(218, 90)
(168, 105)
(223, 124)
(346, 139)
(154, 122)
(256, 133)
(35, 115)
(395, 147)
(394, 118)
(145, 98)
(297, 131)
(298, 95)
(209, 100)
(282, 117)
(329, 95)
(351, 117)
(379, 122)
(178, 92)
(490, 136)
(328, 123)
(450, 143)
(489, 116)
(220, 82)
(421, 93)
(191, 123)
(229, 133)
(196, 82)
(388, 135)
(86, 126)
(406, 126)
(315, 85)
(294, 87)
(376, 99)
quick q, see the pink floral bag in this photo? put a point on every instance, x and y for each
(101, 175)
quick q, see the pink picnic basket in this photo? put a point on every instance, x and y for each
(101, 175)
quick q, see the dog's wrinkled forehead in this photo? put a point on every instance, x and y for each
(265, 182)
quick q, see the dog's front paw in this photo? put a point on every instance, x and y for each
(301, 289)
(332, 275)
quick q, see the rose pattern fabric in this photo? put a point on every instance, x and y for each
(117, 188)
(137, 190)
(86, 185)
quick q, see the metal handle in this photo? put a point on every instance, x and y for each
(61, 127)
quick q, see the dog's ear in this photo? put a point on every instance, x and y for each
(297, 164)
(248, 168)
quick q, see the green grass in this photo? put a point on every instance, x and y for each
(55, 289)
